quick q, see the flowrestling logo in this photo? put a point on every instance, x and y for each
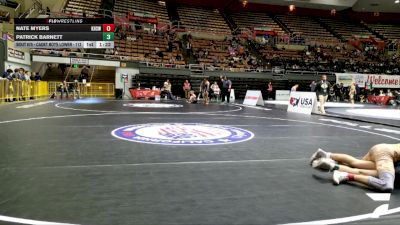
(152, 105)
(182, 134)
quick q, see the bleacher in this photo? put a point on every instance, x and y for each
(250, 20)
(3, 15)
(219, 49)
(347, 30)
(142, 6)
(141, 45)
(307, 27)
(269, 53)
(206, 19)
(389, 31)
(81, 7)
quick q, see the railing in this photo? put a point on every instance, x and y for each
(177, 25)
(36, 7)
(105, 90)
(18, 90)
(206, 67)
(299, 40)
(17, 10)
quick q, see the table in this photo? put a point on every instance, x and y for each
(144, 93)
(383, 100)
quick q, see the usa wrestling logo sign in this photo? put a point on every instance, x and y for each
(182, 134)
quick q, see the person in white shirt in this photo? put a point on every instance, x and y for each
(389, 93)
(215, 91)
(27, 75)
(167, 90)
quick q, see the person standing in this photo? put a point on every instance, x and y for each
(226, 88)
(76, 89)
(322, 89)
(37, 77)
(167, 90)
(332, 97)
(205, 87)
(294, 88)
(64, 88)
(352, 93)
(215, 91)
(85, 72)
(269, 90)
(312, 86)
(186, 89)
(358, 91)
(9, 86)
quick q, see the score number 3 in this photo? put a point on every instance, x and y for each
(108, 32)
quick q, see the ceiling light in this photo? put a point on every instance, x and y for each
(397, 1)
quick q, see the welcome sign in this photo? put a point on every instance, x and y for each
(378, 81)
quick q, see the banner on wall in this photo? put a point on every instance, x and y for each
(377, 80)
(16, 54)
(142, 17)
(282, 95)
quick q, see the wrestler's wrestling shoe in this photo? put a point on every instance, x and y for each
(324, 164)
(319, 154)
(340, 177)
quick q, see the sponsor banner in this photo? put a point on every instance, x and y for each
(16, 54)
(144, 93)
(378, 81)
(141, 17)
(253, 98)
(303, 102)
(182, 134)
(79, 61)
(282, 95)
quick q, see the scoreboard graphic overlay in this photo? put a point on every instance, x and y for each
(64, 33)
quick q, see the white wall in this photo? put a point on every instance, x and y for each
(119, 71)
(14, 65)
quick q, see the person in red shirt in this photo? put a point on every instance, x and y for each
(186, 88)
(269, 90)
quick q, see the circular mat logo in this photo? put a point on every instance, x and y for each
(182, 134)
(152, 105)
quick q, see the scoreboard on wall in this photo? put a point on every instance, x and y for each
(64, 33)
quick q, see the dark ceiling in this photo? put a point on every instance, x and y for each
(216, 4)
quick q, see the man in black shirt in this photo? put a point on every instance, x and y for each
(226, 88)
(322, 90)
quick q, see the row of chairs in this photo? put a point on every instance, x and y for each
(346, 29)
(90, 8)
(154, 8)
(250, 20)
(203, 18)
(306, 26)
(389, 31)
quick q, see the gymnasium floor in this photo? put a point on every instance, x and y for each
(108, 162)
